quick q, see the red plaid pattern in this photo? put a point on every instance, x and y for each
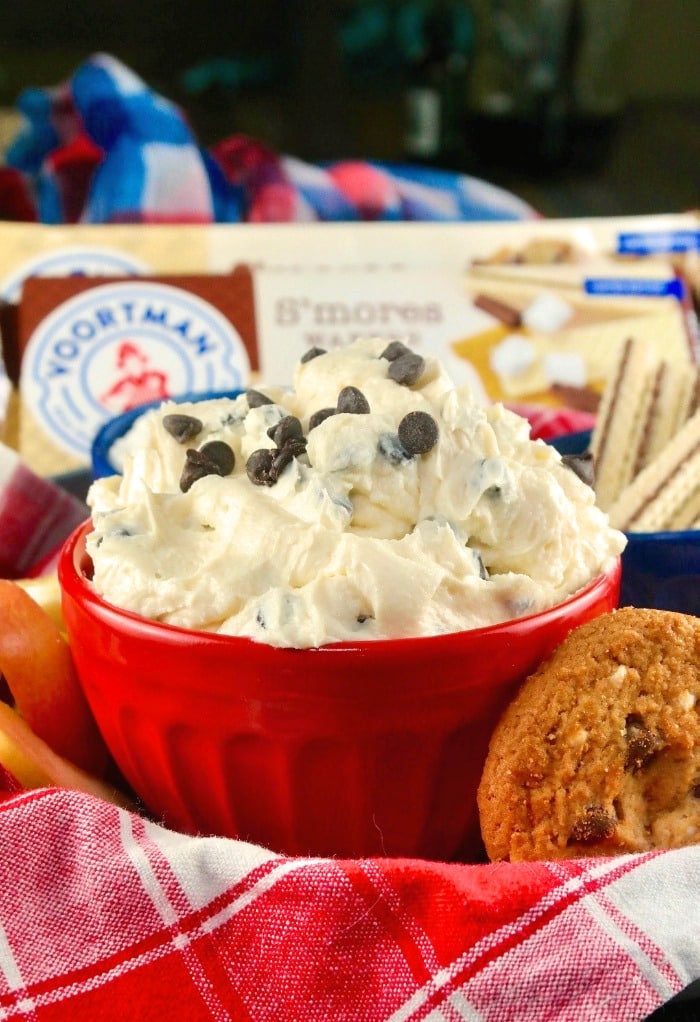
(103, 913)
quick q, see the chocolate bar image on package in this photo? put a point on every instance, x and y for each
(507, 314)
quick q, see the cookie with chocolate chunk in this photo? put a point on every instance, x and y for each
(599, 752)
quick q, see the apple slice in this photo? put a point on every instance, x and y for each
(35, 765)
(36, 662)
(45, 591)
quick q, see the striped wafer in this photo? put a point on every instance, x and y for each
(687, 516)
(621, 419)
(671, 481)
(646, 402)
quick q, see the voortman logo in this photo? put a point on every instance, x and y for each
(119, 345)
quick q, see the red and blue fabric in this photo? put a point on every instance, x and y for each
(103, 147)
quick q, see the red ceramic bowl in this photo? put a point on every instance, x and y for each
(371, 748)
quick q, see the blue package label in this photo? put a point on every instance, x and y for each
(636, 287)
(657, 242)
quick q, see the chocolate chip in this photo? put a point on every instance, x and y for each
(642, 745)
(194, 468)
(483, 570)
(182, 427)
(259, 467)
(213, 458)
(230, 419)
(406, 369)
(288, 428)
(582, 465)
(221, 455)
(295, 446)
(352, 400)
(311, 354)
(343, 502)
(393, 450)
(695, 791)
(256, 399)
(320, 416)
(281, 457)
(595, 825)
(418, 432)
(393, 350)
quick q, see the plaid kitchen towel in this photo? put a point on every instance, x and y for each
(105, 148)
(104, 914)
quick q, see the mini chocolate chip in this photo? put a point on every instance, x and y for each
(352, 400)
(695, 791)
(393, 450)
(259, 467)
(343, 502)
(295, 445)
(641, 743)
(311, 354)
(406, 369)
(221, 455)
(182, 427)
(582, 465)
(418, 432)
(230, 419)
(284, 455)
(260, 619)
(483, 570)
(595, 825)
(281, 457)
(361, 618)
(196, 466)
(120, 531)
(393, 350)
(256, 399)
(288, 428)
(320, 416)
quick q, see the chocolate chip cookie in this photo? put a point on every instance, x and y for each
(599, 753)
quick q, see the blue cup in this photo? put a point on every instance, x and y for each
(659, 569)
(115, 428)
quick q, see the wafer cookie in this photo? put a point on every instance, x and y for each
(621, 419)
(688, 515)
(646, 402)
(652, 500)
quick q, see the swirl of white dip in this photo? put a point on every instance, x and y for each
(356, 539)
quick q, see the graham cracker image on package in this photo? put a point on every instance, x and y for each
(555, 344)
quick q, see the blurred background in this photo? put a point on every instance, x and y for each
(581, 107)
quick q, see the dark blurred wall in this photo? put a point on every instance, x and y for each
(305, 99)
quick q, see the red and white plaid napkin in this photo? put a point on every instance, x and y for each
(104, 916)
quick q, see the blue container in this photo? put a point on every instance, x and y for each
(115, 428)
(659, 569)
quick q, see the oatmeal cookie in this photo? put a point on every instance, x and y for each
(599, 753)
